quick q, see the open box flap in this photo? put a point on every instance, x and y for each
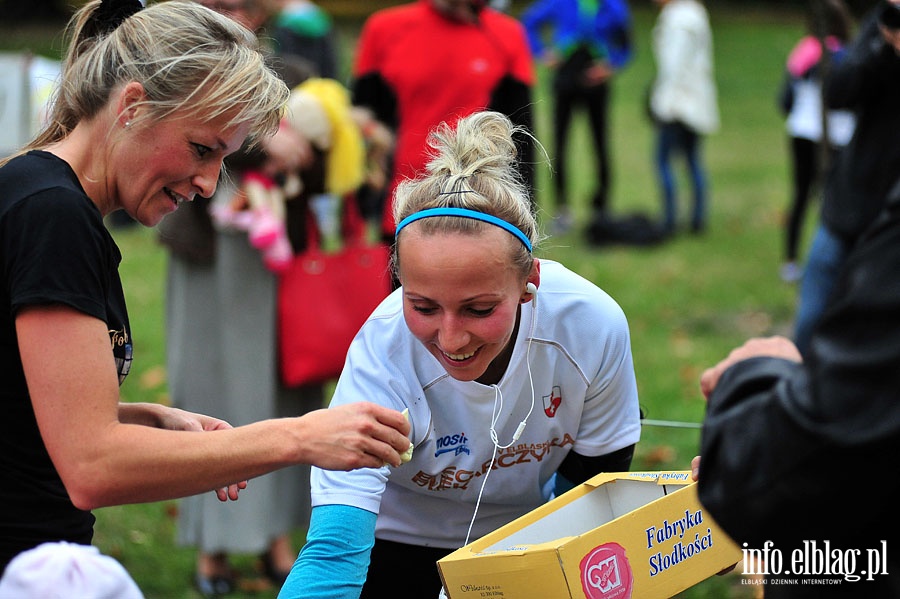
(599, 501)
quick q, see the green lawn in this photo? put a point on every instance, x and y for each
(689, 301)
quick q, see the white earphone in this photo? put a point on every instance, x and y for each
(532, 289)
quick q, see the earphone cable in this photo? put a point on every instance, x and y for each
(480, 493)
(495, 415)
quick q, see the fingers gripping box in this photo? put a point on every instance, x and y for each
(618, 535)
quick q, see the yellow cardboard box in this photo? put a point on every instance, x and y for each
(618, 535)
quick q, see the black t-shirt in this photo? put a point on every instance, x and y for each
(54, 249)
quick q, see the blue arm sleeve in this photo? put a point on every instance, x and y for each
(334, 561)
(534, 18)
(615, 33)
(562, 485)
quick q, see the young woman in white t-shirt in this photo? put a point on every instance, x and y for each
(516, 372)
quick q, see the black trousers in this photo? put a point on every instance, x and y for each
(571, 93)
(807, 174)
(401, 570)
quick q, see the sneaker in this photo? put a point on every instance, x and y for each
(790, 272)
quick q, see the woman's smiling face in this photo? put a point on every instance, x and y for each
(158, 165)
(461, 296)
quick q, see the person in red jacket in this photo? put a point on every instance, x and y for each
(430, 61)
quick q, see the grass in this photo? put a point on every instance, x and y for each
(689, 301)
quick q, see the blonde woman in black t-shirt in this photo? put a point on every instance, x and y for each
(150, 102)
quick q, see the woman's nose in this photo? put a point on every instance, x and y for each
(207, 179)
(453, 334)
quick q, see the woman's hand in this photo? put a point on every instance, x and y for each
(599, 72)
(775, 347)
(174, 419)
(357, 435)
(181, 420)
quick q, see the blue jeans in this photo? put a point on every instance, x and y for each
(675, 138)
(826, 257)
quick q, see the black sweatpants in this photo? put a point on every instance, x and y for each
(401, 570)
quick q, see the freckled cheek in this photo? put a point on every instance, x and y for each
(495, 331)
(419, 326)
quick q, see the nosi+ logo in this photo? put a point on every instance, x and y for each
(455, 443)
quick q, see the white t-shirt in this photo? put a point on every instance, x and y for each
(585, 398)
(685, 86)
(805, 119)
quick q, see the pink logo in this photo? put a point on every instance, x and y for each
(606, 573)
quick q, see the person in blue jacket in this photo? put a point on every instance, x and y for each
(590, 42)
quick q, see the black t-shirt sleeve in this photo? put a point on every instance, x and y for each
(57, 251)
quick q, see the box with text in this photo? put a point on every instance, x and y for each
(618, 535)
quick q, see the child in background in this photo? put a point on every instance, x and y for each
(800, 101)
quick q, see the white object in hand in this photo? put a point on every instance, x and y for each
(407, 455)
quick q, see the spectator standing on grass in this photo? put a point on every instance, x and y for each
(430, 61)
(866, 81)
(683, 104)
(150, 102)
(800, 100)
(591, 43)
(222, 305)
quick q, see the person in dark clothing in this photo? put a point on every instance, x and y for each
(793, 450)
(866, 81)
(591, 42)
(141, 121)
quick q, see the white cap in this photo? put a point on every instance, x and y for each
(66, 570)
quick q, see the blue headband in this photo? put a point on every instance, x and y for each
(465, 213)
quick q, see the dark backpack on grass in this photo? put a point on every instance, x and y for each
(629, 229)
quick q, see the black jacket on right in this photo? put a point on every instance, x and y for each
(866, 81)
(793, 452)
